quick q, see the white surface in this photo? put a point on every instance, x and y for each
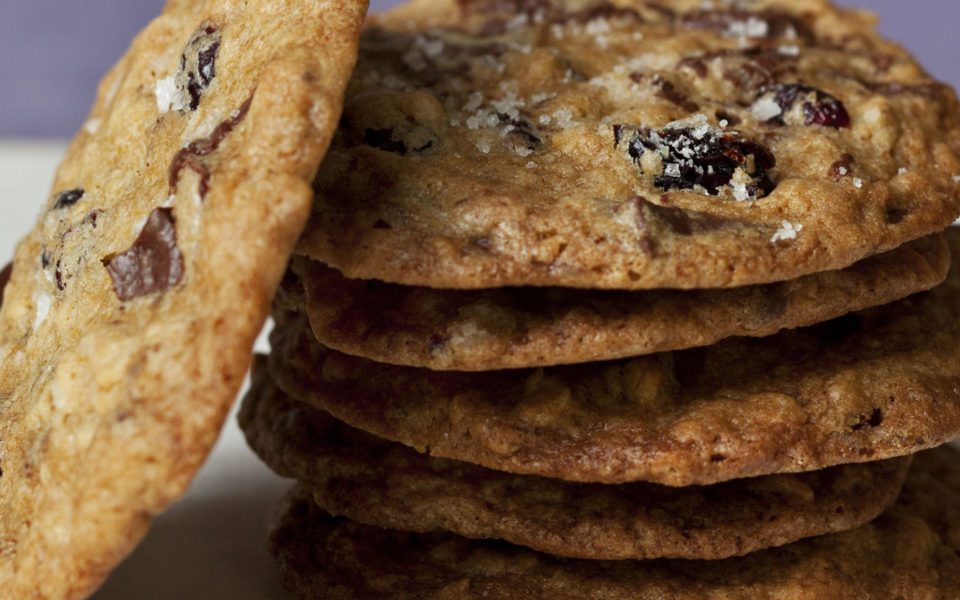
(211, 544)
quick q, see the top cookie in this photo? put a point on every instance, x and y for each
(127, 325)
(630, 145)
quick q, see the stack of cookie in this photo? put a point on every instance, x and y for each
(632, 300)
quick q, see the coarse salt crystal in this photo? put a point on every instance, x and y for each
(169, 97)
(857, 182)
(766, 109)
(787, 231)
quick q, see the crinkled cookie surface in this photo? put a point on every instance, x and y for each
(630, 145)
(128, 321)
(911, 551)
(382, 483)
(506, 328)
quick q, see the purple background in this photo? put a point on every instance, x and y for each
(53, 52)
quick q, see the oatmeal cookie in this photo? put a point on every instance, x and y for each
(128, 321)
(911, 551)
(868, 386)
(630, 145)
(386, 484)
(506, 328)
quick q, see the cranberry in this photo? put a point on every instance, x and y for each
(816, 106)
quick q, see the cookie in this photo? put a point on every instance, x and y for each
(630, 145)
(509, 328)
(871, 385)
(909, 552)
(128, 322)
(386, 484)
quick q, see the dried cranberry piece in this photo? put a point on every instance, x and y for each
(68, 198)
(702, 158)
(817, 107)
(153, 263)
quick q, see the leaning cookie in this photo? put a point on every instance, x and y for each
(909, 552)
(507, 328)
(128, 321)
(630, 145)
(386, 484)
(871, 385)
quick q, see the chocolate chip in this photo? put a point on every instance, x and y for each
(191, 156)
(817, 107)
(5, 274)
(68, 198)
(153, 263)
(703, 159)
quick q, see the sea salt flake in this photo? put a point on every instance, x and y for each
(857, 182)
(169, 96)
(766, 109)
(787, 231)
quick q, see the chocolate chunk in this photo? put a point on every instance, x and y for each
(5, 274)
(520, 131)
(198, 63)
(817, 107)
(68, 198)
(191, 156)
(153, 263)
(702, 158)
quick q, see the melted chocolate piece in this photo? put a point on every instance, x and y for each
(818, 107)
(191, 156)
(198, 63)
(152, 264)
(522, 133)
(5, 275)
(68, 198)
(702, 158)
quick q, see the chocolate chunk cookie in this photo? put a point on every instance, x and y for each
(909, 552)
(383, 483)
(630, 145)
(871, 385)
(478, 330)
(128, 321)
